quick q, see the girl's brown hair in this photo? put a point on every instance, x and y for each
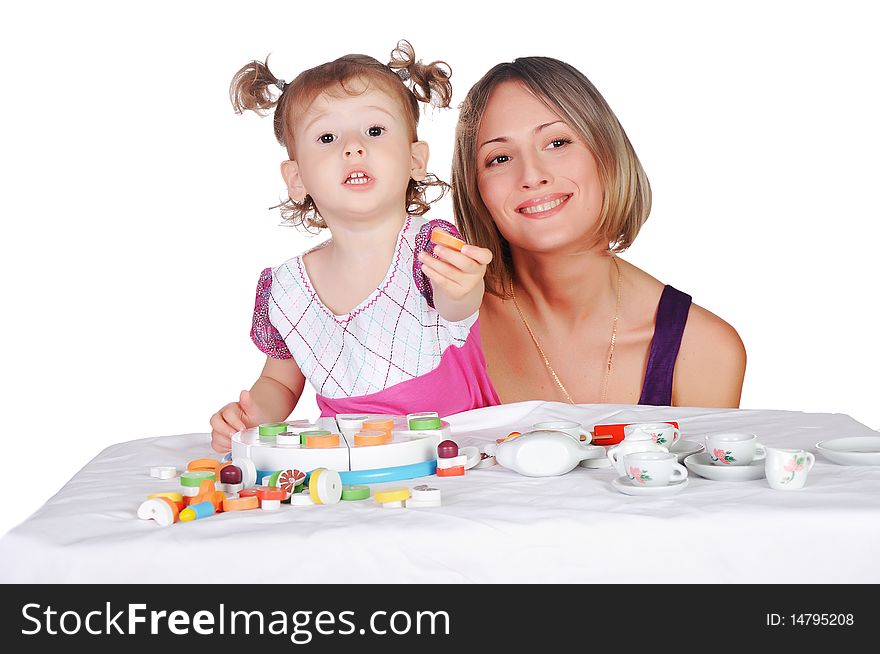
(568, 93)
(254, 87)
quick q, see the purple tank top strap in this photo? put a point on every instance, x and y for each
(672, 313)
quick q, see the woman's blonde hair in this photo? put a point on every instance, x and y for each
(254, 87)
(568, 93)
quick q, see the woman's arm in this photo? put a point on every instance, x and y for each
(711, 363)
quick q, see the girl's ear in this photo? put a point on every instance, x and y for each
(419, 164)
(295, 189)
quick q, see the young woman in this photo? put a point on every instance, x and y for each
(545, 177)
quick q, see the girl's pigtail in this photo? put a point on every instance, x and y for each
(428, 82)
(255, 88)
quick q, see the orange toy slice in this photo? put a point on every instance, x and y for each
(442, 237)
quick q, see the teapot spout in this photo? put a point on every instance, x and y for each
(592, 452)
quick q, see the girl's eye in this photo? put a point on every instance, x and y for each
(500, 159)
(326, 138)
(375, 130)
(558, 143)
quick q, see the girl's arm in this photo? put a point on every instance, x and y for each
(278, 389)
(272, 398)
(456, 279)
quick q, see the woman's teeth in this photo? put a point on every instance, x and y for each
(544, 207)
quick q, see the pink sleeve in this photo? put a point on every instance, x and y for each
(263, 332)
(423, 242)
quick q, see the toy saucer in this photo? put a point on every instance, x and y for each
(702, 465)
(851, 451)
(626, 486)
(473, 456)
(683, 449)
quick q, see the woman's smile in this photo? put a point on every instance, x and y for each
(543, 206)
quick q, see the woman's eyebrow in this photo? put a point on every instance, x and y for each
(505, 139)
(545, 125)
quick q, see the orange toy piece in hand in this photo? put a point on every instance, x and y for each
(441, 237)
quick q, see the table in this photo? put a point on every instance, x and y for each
(495, 526)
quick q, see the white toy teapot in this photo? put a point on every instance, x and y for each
(544, 453)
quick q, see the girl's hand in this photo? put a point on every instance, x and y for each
(234, 417)
(458, 275)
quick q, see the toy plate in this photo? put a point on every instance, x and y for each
(852, 451)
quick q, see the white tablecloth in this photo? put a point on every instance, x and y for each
(494, 526)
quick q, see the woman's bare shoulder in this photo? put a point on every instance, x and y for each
(705, 329)
(711, 363)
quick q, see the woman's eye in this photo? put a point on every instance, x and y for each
(558, 143)
(500, 159)
(375, 130)
(326, 138)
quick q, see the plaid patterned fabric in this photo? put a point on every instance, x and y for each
(393, 336)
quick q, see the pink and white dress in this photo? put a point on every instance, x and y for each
(392, 354)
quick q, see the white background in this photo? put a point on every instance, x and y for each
(135, 215)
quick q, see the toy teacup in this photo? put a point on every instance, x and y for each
(634, 441)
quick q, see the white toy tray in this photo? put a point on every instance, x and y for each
(408, 447)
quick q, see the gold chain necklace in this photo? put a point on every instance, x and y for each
(544, 356)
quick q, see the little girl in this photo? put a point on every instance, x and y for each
(369, 317)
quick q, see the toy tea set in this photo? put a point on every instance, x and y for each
(653, 460)
(334, 459)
